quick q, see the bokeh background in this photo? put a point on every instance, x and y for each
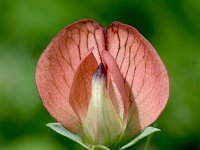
(27, 26)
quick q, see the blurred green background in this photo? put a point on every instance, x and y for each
(27, 26)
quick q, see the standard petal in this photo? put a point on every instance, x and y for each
(57, 65)
(145, 76)
(80, 92)
(116, 83)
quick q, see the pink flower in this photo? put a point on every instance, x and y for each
(104, 104)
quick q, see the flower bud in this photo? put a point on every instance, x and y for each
(102, 124)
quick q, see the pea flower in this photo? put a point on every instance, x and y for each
(103, 85)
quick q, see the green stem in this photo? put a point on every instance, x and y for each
(149, 139)
(147, 142)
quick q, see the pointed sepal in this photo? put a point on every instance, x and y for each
(57, 127)
(148, 131)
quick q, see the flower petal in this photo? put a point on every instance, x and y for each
(117, 80)
(146, 78)
(58, 63)
(80, 92)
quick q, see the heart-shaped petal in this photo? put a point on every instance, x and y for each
(134, 67)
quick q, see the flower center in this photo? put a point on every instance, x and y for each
(102, 125)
